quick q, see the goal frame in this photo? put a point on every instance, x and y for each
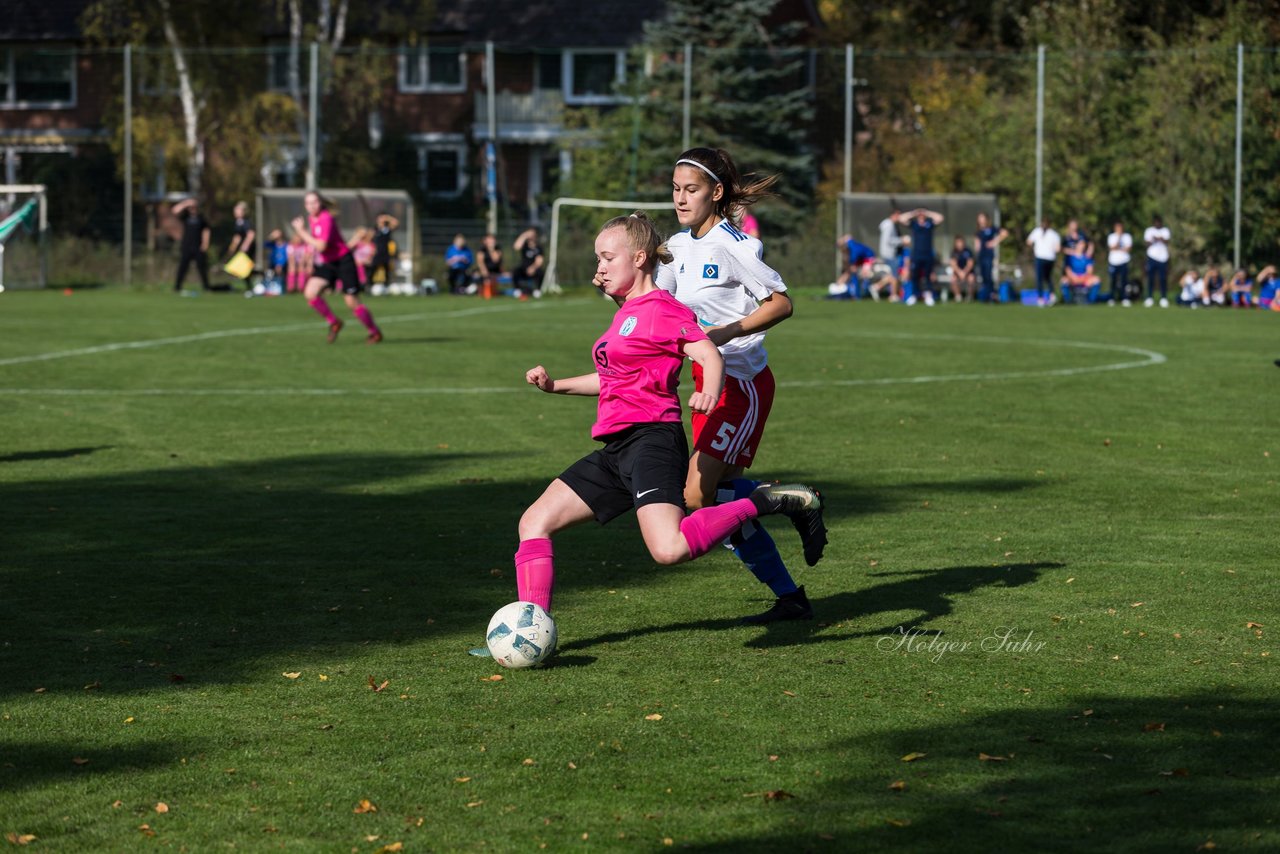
(40, 192)
(549, 283)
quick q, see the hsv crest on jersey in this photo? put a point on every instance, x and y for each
(710, 271)
(628, 326)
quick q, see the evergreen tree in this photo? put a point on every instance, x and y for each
(750, 96)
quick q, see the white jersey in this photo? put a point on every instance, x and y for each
(722, 278)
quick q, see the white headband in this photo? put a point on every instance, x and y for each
(713, 175)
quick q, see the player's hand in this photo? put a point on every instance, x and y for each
(297, 223)
(538, 377)
(702, 402)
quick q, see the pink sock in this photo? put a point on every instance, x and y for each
(293, 281)
(362, 314)
(322, 309)
(535, 572)
(704, 529)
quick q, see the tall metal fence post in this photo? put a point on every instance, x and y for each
(1239, 142)
(1039, 135)
(688, 94)
(848, 118)
(128, 164)
(490, 73)
(313, 171)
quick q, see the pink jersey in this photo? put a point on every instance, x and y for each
(639, 359)
(324, 229)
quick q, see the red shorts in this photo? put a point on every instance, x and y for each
(731, 433)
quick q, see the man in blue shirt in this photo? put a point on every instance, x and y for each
(858, 268)
(988, 237)
(922, 258)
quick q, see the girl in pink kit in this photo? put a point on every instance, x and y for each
(643, 462)
(336, 268)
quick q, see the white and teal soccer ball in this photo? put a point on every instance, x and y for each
(520, 635)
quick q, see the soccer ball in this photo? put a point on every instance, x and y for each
(520, 635)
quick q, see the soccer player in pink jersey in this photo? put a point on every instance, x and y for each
(645, 455)
(336, 267)
(717, 270)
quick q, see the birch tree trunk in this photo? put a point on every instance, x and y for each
(187, 97)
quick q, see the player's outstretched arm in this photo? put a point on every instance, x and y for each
(707, 357)
(774, 309)
(587, 384)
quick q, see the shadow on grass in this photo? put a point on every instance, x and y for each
(28, 764)
(927, 593)
(60, 454)
(1089, 773)
(126, 579)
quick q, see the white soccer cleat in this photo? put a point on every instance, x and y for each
(1149, 302)
(1164, 303)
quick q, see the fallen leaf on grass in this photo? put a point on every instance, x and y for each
(462, 779)
(324, 678)
(898, 785)
(899, 822)
(20, 838)
(162, 808)
(528, 761)
(365, 806)
(1153, 727)
(983, 757)
(391, 848)
(778, 795)
(1253, 625)
(293, 675)
(79, 760)
(1207, 846)
(41, 690)
(93, 685)
(378, 689)
(912, 757)
(146, 829)
(474, 804)
(116, 804)
(372, 837)
(1176, 772)
(789, 693)
(497, 677)
(653, 717)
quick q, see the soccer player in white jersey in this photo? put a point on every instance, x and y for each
(717, 271)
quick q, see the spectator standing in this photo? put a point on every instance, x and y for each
(922, 258)
(194, 243)
(1119, 244)
(384, 247)
(458, 257)
(531, 265)
(1045, 244)
(986, 240)
(889, 239)
(1157, 239)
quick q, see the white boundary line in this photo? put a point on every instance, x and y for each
(234, 333)
(1148, 358)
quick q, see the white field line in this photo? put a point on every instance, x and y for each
(233, 333)
(1148, 359)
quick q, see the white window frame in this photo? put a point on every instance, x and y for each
(456, 143)
(421, 55)
(8, 89)
(566, 76)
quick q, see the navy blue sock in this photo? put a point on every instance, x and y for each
(753, 545)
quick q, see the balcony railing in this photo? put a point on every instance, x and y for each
(521, 117)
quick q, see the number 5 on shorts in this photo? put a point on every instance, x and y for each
(723, 437)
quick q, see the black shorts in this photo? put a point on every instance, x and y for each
(645, 464)
(341, 275)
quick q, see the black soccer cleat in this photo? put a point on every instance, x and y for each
(792, 606)
(789, 499)
(812, 530)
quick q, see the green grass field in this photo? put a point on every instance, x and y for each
(1052, 573)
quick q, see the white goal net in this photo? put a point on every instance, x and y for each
(24, 246)
(571, 256)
